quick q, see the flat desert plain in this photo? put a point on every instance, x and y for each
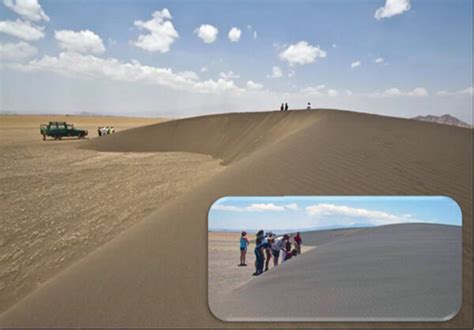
(59, 202)
(155, 273)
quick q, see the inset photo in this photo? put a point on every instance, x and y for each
(327, 258)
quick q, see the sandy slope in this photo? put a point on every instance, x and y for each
(394, 272)
(224, 275)
(139, 280)
(59, 203)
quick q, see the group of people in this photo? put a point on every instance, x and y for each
(104, 130)
(284, 107)
(270, 247)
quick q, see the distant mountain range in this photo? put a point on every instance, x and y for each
(444, 119)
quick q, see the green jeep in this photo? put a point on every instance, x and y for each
(60, 129)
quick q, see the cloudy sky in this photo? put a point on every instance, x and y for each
(183, 58)
(312, 213)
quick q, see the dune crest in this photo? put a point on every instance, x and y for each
(228, 136)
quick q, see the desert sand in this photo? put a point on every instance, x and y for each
(224, 276)
(59, 203)
(395, 272)
(146, 278)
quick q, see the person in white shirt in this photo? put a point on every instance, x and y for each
(277, 245)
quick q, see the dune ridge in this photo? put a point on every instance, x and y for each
(325, 153)
(228, 137)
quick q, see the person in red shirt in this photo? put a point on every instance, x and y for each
(298, 242)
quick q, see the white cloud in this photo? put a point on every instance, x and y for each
(393, 92)
(419, 91)
(334, 46)
(348, 92)
(234, 34)
(230, 208)
(161, 34)
(207, 33)
(254, 85)
(302, 53)
(373, 217)
(392, 8)
(292, 206)
(21, 29)
(255, 35)
(265, 207)
(333, 92)
(316, 90)
(91, 67)
(16, 51)
(84, 41)
(466, 91)
(229, 75)
(28, 9)
(378, 60)
(256, 207)
(276, 72)
(291, 73)
(204, 69)
(355, 64)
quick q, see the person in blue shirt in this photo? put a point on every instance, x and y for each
(260, 248)
(244, 242)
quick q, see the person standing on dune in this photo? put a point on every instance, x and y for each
(268, 250)
(298, 242)
(244, 242)
(259, 259)
(276, 246)
(282, 107)
(286, 106)
(286, 246)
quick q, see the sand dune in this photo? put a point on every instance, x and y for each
(229, 137)
(395, 272)
(155, 274)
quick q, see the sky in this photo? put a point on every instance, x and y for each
(302, 213)
(398, 58)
